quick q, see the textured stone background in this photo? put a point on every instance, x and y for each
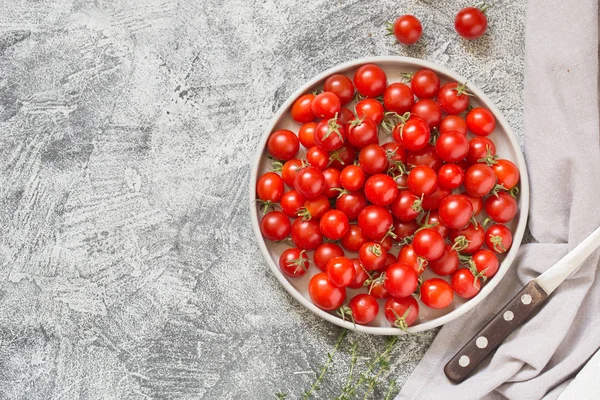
(128, 268)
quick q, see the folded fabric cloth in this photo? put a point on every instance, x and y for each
(562, 149)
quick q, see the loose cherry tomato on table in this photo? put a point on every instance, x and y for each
(332, 182)
(453, 98)
(302, 110)
(412, 135)
(453, 123)
(309, 182)
(326, 252)
(306, 235)
(480, 148)
(425, 84)
(270, 187)
(429, 111)
(401, 313)
(407, 29)
(306, 134)
(450, 176)
(370, 109)
(330, 135)
(507, 173)
(481, 122)
(341, 86)
(398, 98)
(428, 243)
(334, 224)
(363, 308)
(370, 80)
(352, 178)
(401, 280)
(486, 262)
(473, 235)
(340, 271)
(436, 293)
(501, 208)
(324, 294)
(422, 180)
(353, 239)
(372, 256)
(375, 221)
(465, 284)
(275, 226)
(498, 238)
(381, 189)
(361, 132)
(479, 180)
(351, 204)
(373, 159)
(455, 211)
(452, 146)
(326, 105)
(283, 144)
(360, 275)
(447, 263)
(293, 262)
(471, 22)
(291, 202)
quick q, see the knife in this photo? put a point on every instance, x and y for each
(524, 305)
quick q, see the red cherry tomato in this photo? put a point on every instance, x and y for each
(309, 182)
(429, 111)
(507, 173)
(474, 235)
(372, 256)
(381, 189)
(401, 313)
(403, 229)
(377, 289)
(428, 243)
(306, 134)
(360, 275)
(275, 226)
(373, 159)
(434, 220)
(450, 176)
(370, 80)
(352, 178)
(498, 238)
(479, 148)
(412, 135)
(332, 182)
(425, 84)
(306, 235)
(394, 151)
(317, 157)
(345, 116)
(403, 207)
(291, 202)
(434, 200)
(324, 294)
(481, 122)
(436, 293)
(408, 256)
(401, 280)
(407, 29)
(338, 159)
(326, 252)
(361, 132)
(447, 263)
(501, 208)
(422, 180)
(374, 221)
(470, 23)
(453, 123)
(476, 202)
(293, 262)
(486, 262)
(479, 180)
(326, 105)
(398, 98)
(283, 144)
(353, 239)
(269, 187)
(340, 271)
(364, 308)
(452, 98)
(455, 211)
(389, 258)
(301, 109)
(342, 86)
(452, 146)
(314, 208)
(290, 170)
(465, 284)
(426, 156)
(370, 109)
(334, 224)
(330, 135)
(351, 204)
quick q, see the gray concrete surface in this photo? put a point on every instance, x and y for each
(128, 267)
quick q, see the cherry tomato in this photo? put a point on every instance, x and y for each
(370, 109)
(362, 132)
(476, 202)
(283, 144)
(428, 243)
(291, 202)
(450, 176)
(507, 173)
(364, 308)
(401, 280)
(486, 262)
(314, 208)
(293, 262)
(317, 157)
(372, 256)
(481, 122)
(306, 134)
(326, 105)
(403, 229)
(470, 23)
(324, 294)
(370, 80)
(338, 159)
(342, 86)
(269, 187)
(498, 238)
(345, 116)
(465, 284)
(306, 235)
(452, 146)
(340, 271)
(398, 98)
(290, 170)
(353, 239)
(381, 189)
(330, 135)
(425, 84)
(422, 180)
(479, 148)
(412, 135)
(389, 258)
(352, 178)
(326, 252)
(434, 220)
(407, 29)
(447, 263)
(501, 208)
(403, 207)
(374, 221)
(452, 98)
(474, 235)
(373, 159)
(301, 109)
(351, 204)
(394, 151)
(426, 156)
(334, 224)
(360, 275)
(332, 181)
(436, 293)
(455, 211)
(453, 123)
(377, 289)
(275, 226)
(429, 111)
(479, 180)
(434, 200)
(401, 313)
(408, 256)
(309, 182)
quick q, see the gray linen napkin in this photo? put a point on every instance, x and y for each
(562, 149)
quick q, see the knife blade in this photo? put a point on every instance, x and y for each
(518, 310)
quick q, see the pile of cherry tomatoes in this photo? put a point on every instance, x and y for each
(394, 179)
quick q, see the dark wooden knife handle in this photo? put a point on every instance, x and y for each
(526, 303)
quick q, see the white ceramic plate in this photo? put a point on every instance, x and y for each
(506, 145)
